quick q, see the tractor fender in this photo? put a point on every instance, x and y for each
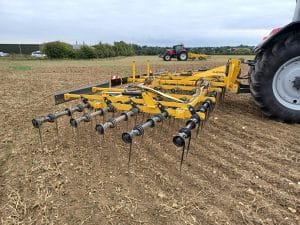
(274, 37)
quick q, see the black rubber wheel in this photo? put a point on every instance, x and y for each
(273, 80)
(182, 56)
(167, 57)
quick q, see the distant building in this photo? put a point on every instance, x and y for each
(19, 48)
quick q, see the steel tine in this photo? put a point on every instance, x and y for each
(56, 132)
(103, 138)
(96, 119)
(56, 128)
(143, 116)
(104, 118)
(198, 128)
(219, 96)
(202, 124)
(92, 129)
(91, 122)
(223, 95)
(182, 155)
(40, 135)
(129, 156)
(71, 115)
(212, 107)
(188, 147)
(207, 114)
(135, 120)
(77, 136)
(217, 101)
(173, 121)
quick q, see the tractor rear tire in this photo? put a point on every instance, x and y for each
(274, 80)
(167, 57)
(182, 56)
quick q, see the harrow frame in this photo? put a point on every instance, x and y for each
(189, 95)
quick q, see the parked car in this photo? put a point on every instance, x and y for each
(3, 54)
(38, 54)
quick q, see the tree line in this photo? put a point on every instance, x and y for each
(58, 50)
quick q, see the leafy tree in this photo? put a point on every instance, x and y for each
(242, 51)
(104, 50)
(58, 50)
(123, 49)
(86, 52)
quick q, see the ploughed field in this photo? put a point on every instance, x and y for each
(242, 169)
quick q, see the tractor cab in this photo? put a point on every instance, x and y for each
(178, 48)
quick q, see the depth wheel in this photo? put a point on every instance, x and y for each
(275, 80)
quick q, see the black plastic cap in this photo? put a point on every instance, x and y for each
(99, 128)
(36, 123)
(126, 137)
(73, 122)
(179, 141)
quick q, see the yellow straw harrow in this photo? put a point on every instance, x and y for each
(189, 96)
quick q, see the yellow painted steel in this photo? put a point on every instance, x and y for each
(133, 71)
(194, 56)
(176, 92)
(148, 69)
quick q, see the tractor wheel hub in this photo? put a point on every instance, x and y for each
(297, 83)
(286, 84)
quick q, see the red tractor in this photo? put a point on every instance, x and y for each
(275, 72)
(178, 51)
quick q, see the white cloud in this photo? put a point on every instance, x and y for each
(156, 22)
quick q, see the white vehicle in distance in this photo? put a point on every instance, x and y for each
(3, 54)
(38, 54)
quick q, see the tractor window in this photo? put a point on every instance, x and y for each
(177, 48)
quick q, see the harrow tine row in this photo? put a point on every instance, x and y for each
(112, 122)
(139, 130)
(37, 122)
(74, 122)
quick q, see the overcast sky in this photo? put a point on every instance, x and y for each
(149, 22)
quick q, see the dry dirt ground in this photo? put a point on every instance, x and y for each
(242, 169)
